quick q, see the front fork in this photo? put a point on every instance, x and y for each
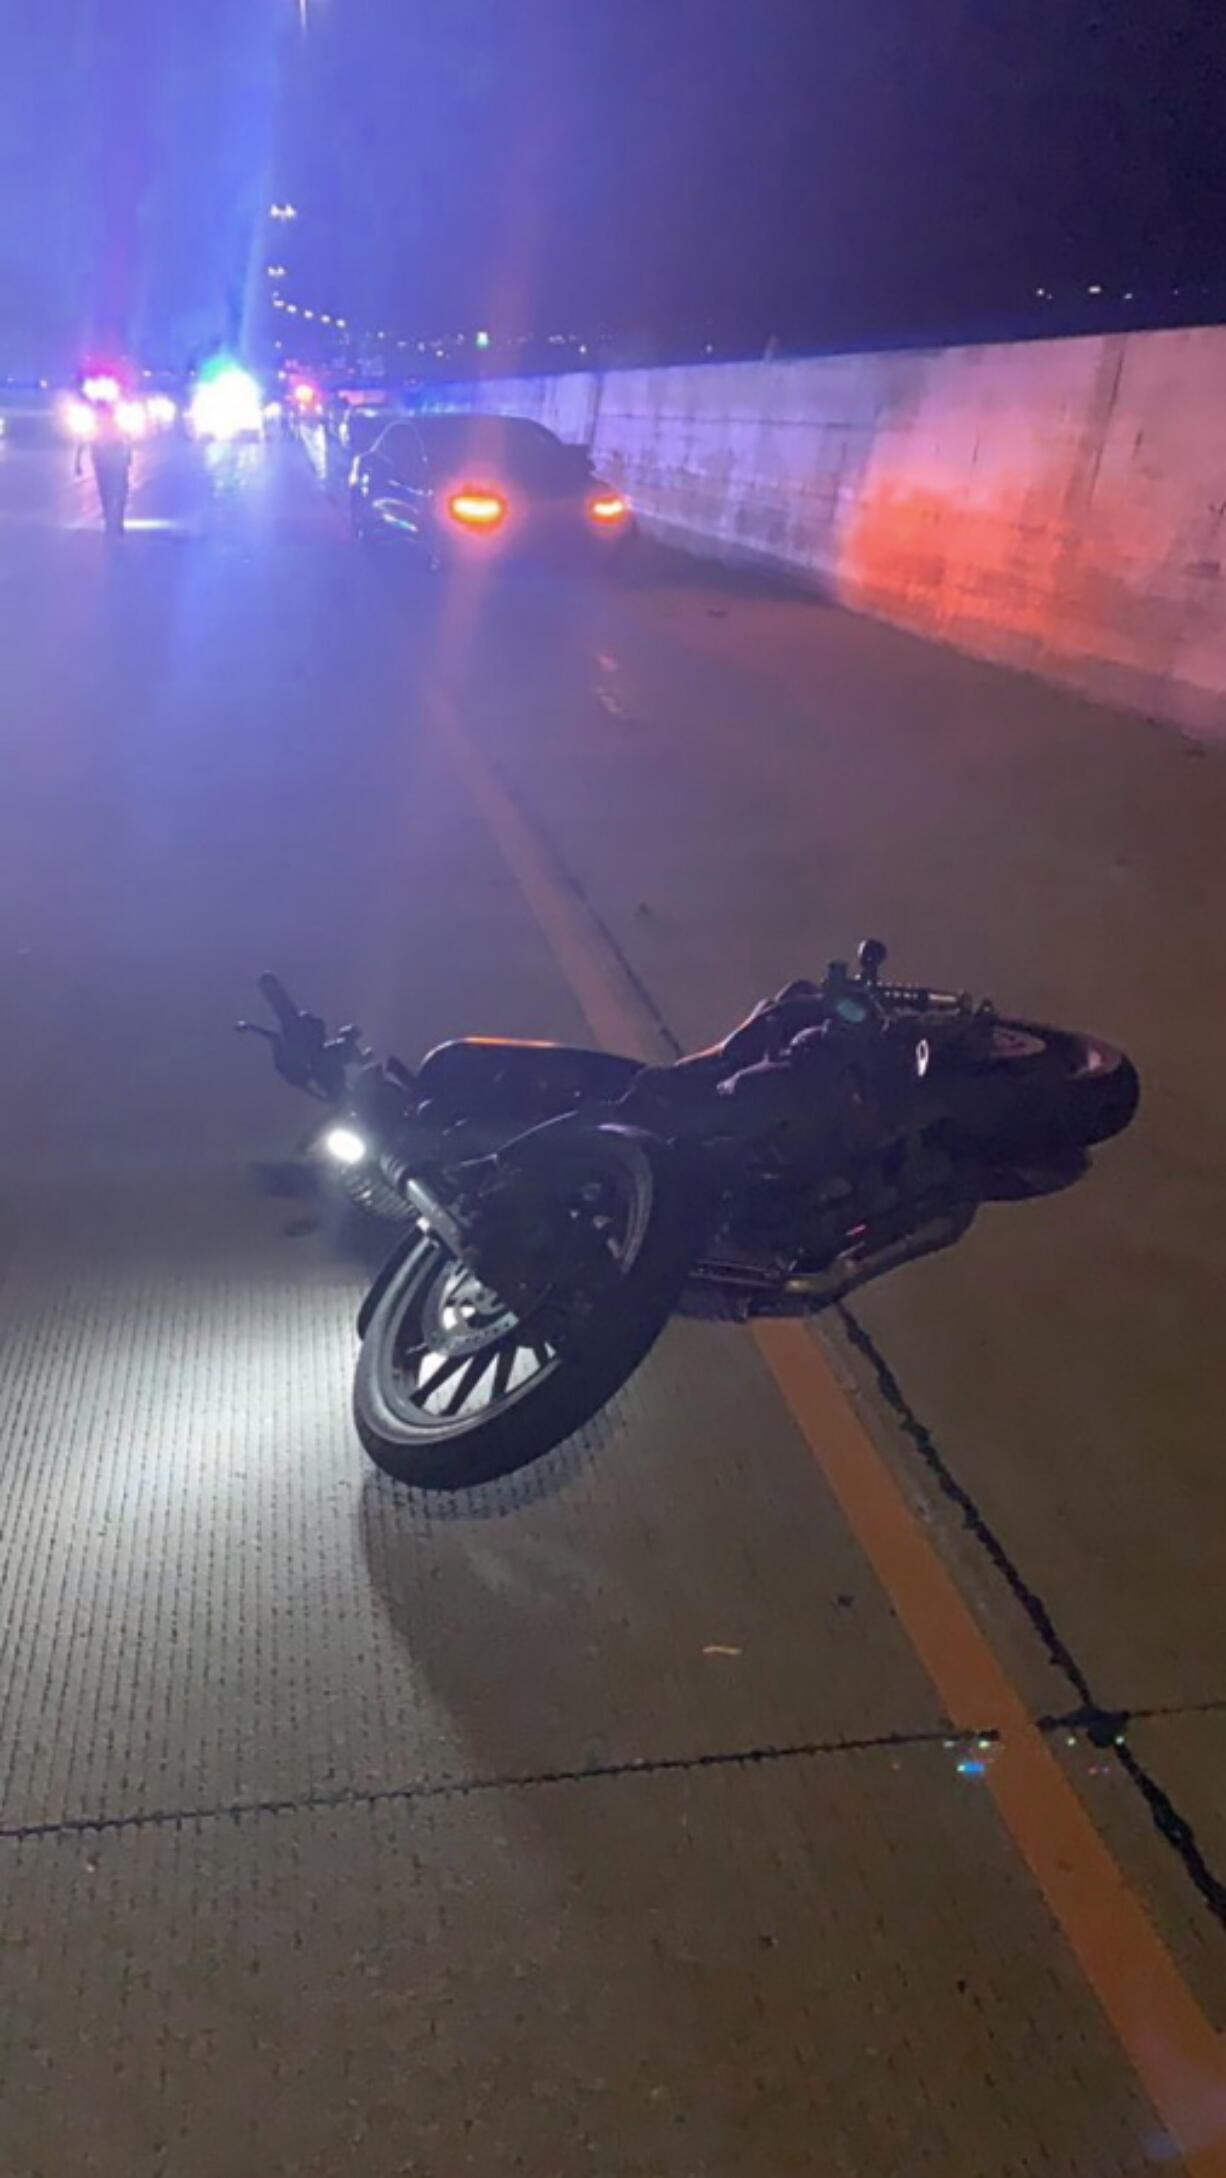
(384, 1153)
(508, 1230)
(407, 1151)
(436, 1215)
(439, 1219)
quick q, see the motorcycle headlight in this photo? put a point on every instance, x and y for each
(345, 1146)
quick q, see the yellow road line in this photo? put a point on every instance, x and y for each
(1174, 2050)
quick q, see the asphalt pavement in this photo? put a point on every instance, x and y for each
(817, 1766)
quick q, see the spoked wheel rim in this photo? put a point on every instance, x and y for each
(454, 1355)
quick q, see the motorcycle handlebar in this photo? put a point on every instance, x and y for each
(302, 1049)
(272, 988)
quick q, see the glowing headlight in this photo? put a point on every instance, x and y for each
(227, 405)
(345, 1146)
(161, 408)
(78, 419)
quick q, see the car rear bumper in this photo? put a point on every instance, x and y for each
(562, 542)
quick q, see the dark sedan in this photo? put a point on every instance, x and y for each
(468, 489)
(359, 423)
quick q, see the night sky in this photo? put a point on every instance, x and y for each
(667, 170)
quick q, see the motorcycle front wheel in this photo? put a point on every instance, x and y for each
(454, 1388)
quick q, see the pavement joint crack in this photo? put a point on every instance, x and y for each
(1103, 1726)
(425, 1789)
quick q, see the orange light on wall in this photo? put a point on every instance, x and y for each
(608, 507)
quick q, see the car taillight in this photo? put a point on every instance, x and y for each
(477, 510)
(608, 507)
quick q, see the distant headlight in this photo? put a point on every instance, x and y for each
(608, 507)
(78, 419)
(227, 405)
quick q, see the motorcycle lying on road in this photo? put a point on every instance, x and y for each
(558, 1205)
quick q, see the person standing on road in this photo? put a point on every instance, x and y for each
(110, 452)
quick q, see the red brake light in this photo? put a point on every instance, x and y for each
(477, 509)
(608, 507)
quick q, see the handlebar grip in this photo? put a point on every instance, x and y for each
(279, 999)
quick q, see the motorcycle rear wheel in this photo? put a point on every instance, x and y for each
(1072, 1091)
(453, 1389)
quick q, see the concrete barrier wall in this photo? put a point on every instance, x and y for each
(1059, 505)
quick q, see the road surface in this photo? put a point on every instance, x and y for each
(817, 1767)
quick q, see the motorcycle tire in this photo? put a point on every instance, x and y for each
(1073, 1091)
(427, 1297)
